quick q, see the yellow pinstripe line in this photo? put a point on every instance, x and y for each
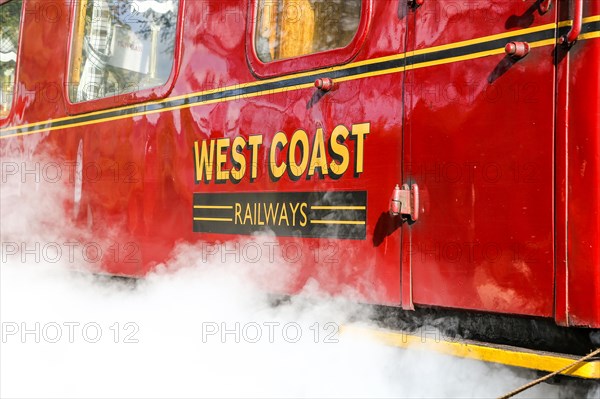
(337, 222)
(212, 207)
(370, 74)
(471, 56)
(95, 121)
(483, 39)
(307, 85)
(214, 219)
(593, 18)
(590, 35)
(338, 208)
(542, 43)
(455, 59)
(562, 24)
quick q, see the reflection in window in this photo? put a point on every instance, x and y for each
(291, 28)
(10, 15)
(121, 46)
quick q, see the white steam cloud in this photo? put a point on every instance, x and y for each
(192, 329)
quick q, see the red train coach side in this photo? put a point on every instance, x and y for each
(291, 124)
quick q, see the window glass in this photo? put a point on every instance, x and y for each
(121, 46)
(291, 28)
(10, 15)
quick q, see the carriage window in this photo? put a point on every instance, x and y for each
(291, 28)
(121, 46)
(10, 15)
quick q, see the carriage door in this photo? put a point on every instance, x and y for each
(332, 127)
(479, 141)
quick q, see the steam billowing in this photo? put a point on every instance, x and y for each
(192, 329)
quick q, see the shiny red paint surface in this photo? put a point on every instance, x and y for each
(578, 285)
(480, 148)
(486, 140)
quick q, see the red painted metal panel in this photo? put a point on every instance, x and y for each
(150, 201)
(507, 172)
(578, 289)
(481, 150)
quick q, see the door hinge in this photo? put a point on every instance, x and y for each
(405, 201)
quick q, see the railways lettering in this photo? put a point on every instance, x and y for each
(269, 214)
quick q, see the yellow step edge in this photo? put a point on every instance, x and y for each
(501, 354)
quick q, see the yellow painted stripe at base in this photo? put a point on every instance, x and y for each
(214, 219)
(337, 222)
(501, 354)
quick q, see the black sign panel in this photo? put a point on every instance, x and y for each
(330, 214)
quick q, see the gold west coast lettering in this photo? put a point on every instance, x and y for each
(224, 159)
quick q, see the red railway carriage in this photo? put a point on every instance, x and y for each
(427, 154)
